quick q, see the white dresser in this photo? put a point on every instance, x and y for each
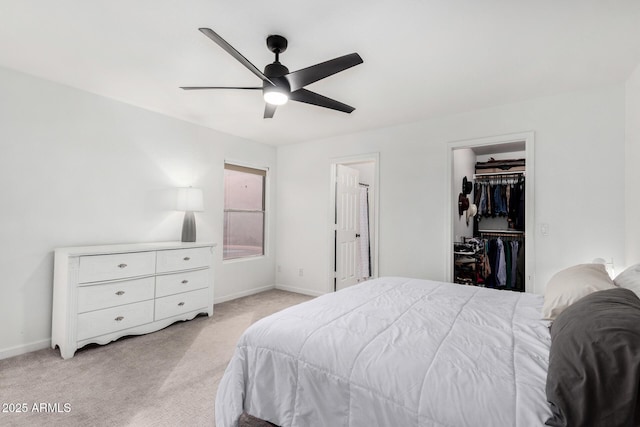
(102, 293)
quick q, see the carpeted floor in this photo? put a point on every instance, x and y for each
(167, 378)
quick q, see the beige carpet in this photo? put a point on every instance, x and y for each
(167, 378)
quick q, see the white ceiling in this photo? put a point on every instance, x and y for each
(422, 58)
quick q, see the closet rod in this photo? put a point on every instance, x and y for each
(490, 174)
(500, 232)
(505, 236)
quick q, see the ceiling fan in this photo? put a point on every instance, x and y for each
(278, 84)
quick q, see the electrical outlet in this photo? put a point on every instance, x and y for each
(301, 272)
(544, 229)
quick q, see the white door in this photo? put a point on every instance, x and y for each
(347, 201)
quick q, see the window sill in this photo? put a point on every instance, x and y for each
(247, 258)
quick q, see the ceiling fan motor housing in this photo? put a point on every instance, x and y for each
(276, 72)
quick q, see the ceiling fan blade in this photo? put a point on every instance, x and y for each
(269, 110)
(233, 52)
(219, 87)
(308, 97)
(301, 78)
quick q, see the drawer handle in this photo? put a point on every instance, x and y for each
(123, 265)
(186, 258)
(185, 281)
(120, 293)
(119, 319)
(180, 304)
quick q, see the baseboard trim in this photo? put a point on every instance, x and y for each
(299, 290)
(25, 348)
(242, 294)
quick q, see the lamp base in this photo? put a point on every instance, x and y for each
(189, 227)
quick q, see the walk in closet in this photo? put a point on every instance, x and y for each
(489, 221)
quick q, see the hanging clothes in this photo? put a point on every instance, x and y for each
(516, 205)
(520, 208)
(507, 258)
(483, 200)
(514, 262)
(499, 201)
(520, 269)
(491, 189)
(498, 196)
(477, 192)
(501, 274)
(493, 265)
(500, 263)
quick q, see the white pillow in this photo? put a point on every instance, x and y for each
(630, 279)
(571, 284)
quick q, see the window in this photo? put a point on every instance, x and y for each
(244, 212)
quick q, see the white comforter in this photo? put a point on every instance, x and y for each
(394, 352)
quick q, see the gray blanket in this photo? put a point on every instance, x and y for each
(594, 362)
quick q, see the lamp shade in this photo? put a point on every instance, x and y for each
(190, 199)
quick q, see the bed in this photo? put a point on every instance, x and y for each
(406, 352)
(394, 352)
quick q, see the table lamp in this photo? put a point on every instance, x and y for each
(189, 201)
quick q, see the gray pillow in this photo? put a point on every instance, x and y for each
(630, 279)
(594, 361)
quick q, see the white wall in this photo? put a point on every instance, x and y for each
(580, 159)
(632, 169)
(79, 169)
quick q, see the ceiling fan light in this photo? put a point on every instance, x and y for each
(275, 97)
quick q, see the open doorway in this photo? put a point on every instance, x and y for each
(353, 220)
(464, 159)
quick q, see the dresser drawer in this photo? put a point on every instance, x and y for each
(100, 322)
(184, 281)
(96, 297)
(181, 303)
(183, 259)
(95, 268)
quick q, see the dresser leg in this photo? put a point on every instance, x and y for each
(67, 353)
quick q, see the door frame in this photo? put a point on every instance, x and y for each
(528, 138)
(361, 158)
